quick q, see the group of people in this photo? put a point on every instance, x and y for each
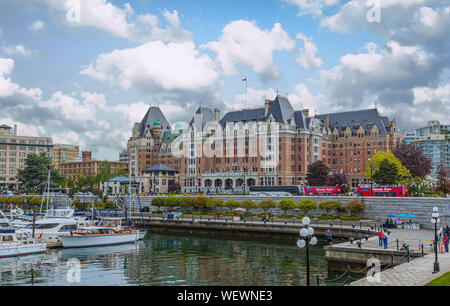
(383, 239)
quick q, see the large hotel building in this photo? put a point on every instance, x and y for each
(293, 140)
(14, 150)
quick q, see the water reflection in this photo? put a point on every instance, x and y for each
(172, 259)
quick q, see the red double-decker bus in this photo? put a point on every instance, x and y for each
(381, 191)
(322, 191)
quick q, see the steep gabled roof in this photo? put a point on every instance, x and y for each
(202, 116)
(366, 118)
(153, 114)
(281, 110)
(248, 115)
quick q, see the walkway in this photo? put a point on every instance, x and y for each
(415, 273)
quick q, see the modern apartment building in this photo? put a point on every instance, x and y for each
(434, 140)
(271, 145)
(14, 150)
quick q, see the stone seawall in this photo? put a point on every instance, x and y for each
(377, 208)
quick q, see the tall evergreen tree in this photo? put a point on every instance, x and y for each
(387, 174)
(317, 174)
(35, 173)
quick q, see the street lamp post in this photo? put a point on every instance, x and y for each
(371, 180)
(435, 220)
(307, 238)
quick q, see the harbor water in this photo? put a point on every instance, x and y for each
(173, 259)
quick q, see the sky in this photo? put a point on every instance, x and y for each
(84, 71)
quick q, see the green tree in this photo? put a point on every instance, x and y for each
(172, 202)
(35, 173)
(187, 202)
(231, 204)
(387, 174)
(267, 204)
(158, 202)
(356, 206)
(214, 203)
(306, 205)
(201, 202)
(287, 204)
(330, 205)
(376, 160)
(248, 204)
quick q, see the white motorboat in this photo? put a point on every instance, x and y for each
(56, 222)
(108, 231)
(11, 245)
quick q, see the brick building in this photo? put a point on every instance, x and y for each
(14, 150)
(271, 145)
(63, 153)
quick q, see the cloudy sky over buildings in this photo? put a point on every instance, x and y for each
(84, 71)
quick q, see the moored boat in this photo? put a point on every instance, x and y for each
(108, 231)
(11, 245)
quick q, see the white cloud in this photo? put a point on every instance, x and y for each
(37, 25)
(172, 66)
(17, 50)
(302, 98)
(7, 88)
(430, 95)
(243, 42)
(133, 112)
(174, 32)
(313, 7)
(309, 53)
(256, 98)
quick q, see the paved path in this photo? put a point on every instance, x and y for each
(415, 273)
(413, 238)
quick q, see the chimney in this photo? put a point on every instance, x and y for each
(87, 156)
(217, 114)
(326, 122)
(15, 129)
(306, 112)
(267, 106)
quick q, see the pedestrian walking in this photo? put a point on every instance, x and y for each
(446, 243)
(217, 215)
(380, 238)
(385, 241)
(329, 237)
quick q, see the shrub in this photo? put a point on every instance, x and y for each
(214, 203)
(187, 202)
(201, 202)
(198, 212)
(267, 204)
(307, 205)
(172, 202)
(248, 204)
(326, 217)
(286, 204)
(231, 204)
(158, 202)
(330, 205)
(356, 206)
(350, 218)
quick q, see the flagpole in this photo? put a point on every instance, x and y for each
(246, 92)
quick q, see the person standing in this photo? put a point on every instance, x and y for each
(380, 238)
(217, 215)
(446, 243)
(329, 237)
(385, 241)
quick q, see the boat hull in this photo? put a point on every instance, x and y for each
(16, 249)
(98, 240)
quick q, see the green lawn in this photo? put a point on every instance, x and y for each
(444, 280)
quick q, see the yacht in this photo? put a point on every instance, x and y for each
(12, 245)
(107, 231)
(55, 223)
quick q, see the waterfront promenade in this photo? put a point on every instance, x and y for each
(415, 273)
